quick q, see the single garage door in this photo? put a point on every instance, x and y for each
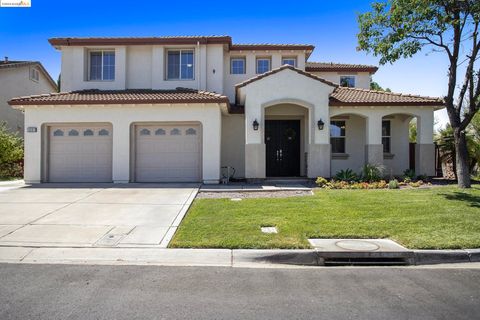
(80, 153)
(167, 153)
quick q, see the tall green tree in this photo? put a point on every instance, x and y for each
(397, 29)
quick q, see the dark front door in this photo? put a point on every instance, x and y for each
(282, 139)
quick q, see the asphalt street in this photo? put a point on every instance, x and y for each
(151, 292)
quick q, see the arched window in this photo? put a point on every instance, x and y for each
(160, 132)
(58, 133)
(175, 132)
(73, 133)
(103, 132)
(88, 132)
(144, 132)
(191, 132)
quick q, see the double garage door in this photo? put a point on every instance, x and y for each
(162, 153)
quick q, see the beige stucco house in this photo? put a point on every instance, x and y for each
(184, 108)
(20, 78)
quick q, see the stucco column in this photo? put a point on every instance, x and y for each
(425, 149)
(319, 150)
(373, 146)
(121, 141)
(32, 172)
(212, 135)
(255, 149)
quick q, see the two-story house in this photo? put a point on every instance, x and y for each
(21, 78)
(181, 108)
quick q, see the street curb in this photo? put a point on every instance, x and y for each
(441, 256)
(232, 258)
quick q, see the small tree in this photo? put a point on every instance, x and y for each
(401, 28)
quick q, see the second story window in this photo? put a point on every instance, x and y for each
(263, 65)
(237, 66)
(347, 81)
(34, 74)
(102, 66)
(180, 65)
(292, 61)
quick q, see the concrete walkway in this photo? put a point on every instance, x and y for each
(93, 215)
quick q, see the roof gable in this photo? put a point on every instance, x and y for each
(277, 70)
(20, 64)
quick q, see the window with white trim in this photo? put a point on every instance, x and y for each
(180, 65)
(292, 61)
(263, 65)
(386, 136)
(237, 65)
(34, 74)
(337, 136)
(101, 65)
(347, 81)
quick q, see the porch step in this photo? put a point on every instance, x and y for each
(288, 181)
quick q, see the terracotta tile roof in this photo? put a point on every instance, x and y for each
(331, 66)
(271, 46)
(273, 71)
(180, 95)
(138, 40)
(222, 39)
(343, 96)
(18, 64)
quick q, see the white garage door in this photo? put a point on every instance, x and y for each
(80, 153)
(167, 153)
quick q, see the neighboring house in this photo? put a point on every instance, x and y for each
(21, 78)
(181, 108)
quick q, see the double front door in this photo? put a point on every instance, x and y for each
(282, 139)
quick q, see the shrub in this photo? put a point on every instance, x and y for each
(393, 184)
(416, 184)
(409, 174)
(11, 153)
(372, 172)
(346, 175)
(321, 181)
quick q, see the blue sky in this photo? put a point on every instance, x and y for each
(329, 25)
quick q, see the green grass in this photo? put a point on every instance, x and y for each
(441, 217)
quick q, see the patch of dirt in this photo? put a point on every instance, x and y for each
(257, 194)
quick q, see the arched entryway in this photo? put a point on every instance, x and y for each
(286, 140)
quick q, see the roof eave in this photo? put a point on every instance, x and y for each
(436, 105)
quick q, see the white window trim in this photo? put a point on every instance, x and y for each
(244, 65)
(180, 65)
(263, 58)
(33, 71)
(389, 136)
(89, 65)
(349, 76)
(344, 137)
(290, 58)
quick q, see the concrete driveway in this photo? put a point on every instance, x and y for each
(100, 215)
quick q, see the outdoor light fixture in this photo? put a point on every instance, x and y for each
(320, 124)
(255, 125)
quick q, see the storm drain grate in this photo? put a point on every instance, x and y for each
(365, 261)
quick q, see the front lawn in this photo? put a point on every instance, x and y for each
(440, 217)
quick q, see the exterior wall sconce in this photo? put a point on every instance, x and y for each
(320, 124)
(255, 125)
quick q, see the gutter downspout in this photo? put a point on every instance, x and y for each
(198, 65)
